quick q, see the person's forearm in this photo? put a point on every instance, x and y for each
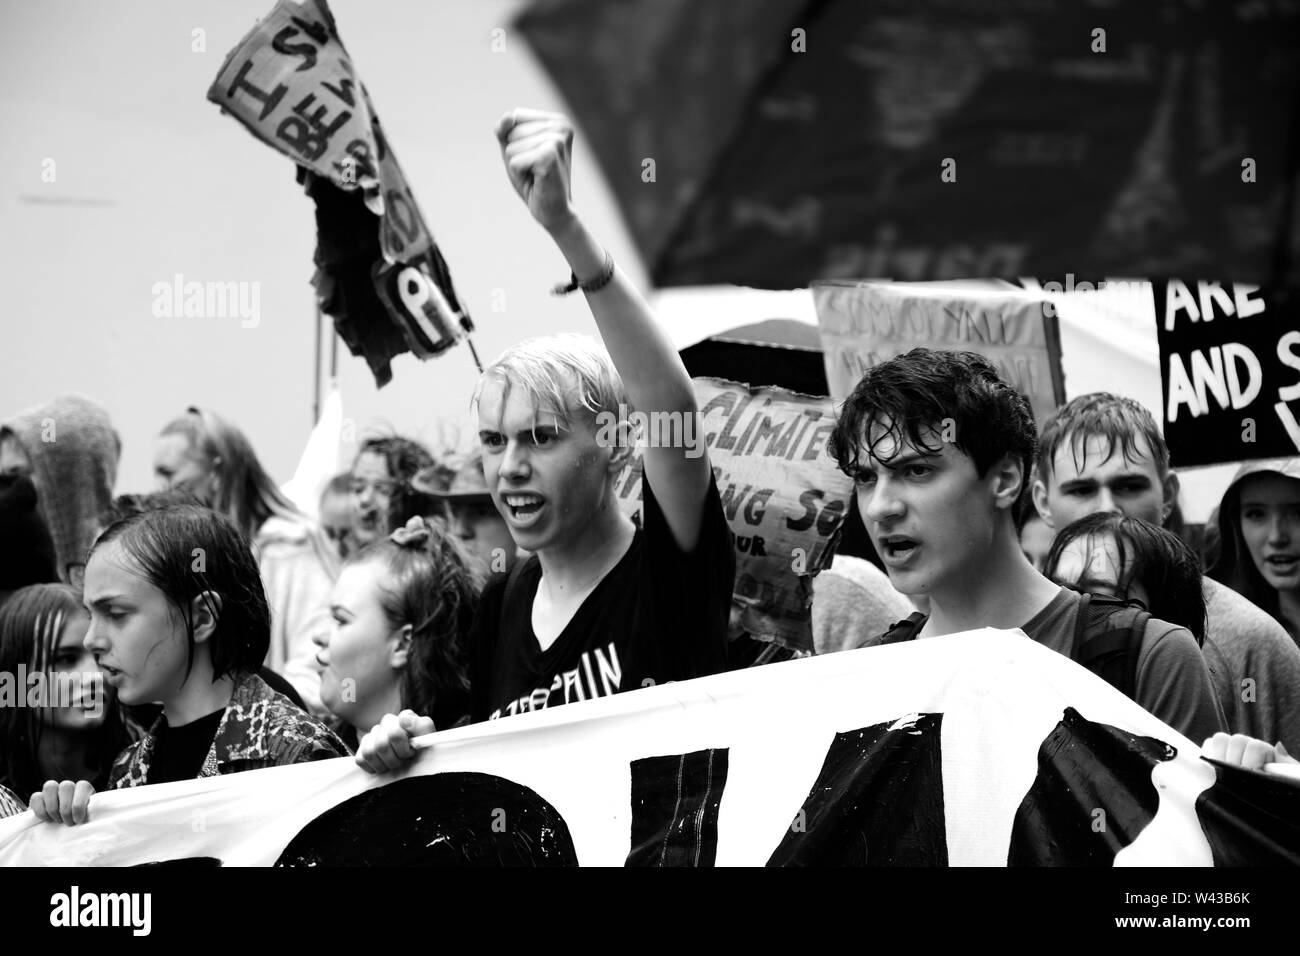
(652, 370)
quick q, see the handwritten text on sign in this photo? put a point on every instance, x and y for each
(865, 323)
(782, 494)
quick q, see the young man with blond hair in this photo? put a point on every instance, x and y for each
(601, 606)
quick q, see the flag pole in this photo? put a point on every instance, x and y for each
(315, 401)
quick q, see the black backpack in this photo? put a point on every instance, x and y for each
(1107, 638)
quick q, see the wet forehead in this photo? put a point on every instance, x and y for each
(1096, 457)
(111, 572)
(882, 443)
(516, 413)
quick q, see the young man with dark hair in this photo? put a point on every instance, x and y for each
(940, 449)
(600, 606)
(1103, 452)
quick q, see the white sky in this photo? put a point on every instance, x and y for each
(113, 93)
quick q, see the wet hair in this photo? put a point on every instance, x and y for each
(31, 622)
(429, 584)
(125, 506)
(189, 550)
(914, 393)
(1115, 418)
(1162, 562)
(1234, 566)
(561, 375)
(404, 459)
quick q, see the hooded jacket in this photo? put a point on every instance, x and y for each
(73, 449)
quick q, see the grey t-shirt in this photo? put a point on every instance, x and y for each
(1173, 681)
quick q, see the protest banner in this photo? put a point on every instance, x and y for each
(975, 749)
(930, 139)
(379, 275)
(782, 494)
(865, 323)
(1229, 372)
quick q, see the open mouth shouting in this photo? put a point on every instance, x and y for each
(897, 550)
(523, 507)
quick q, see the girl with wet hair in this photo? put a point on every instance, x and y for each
(178, 615)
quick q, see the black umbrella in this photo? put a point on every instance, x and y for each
(772, 142)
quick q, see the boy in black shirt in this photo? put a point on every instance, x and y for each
(601, 606)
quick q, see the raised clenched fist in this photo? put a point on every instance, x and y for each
(538, 151)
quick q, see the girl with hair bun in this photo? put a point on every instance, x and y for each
(402, 610)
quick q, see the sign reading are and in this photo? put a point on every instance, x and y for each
(1229, 372)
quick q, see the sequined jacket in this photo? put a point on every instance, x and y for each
(260, 728)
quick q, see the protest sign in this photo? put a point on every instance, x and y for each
(379, 274)
(782, 494)
(865, 323)
(975, 749)
(1229, 372)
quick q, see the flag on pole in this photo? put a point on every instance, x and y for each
(379, 274)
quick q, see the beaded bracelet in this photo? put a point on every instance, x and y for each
(592, 285)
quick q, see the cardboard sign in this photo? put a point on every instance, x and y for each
(381, 277)
(866, 323)
(782, 494)
(976, 749)
(1229, 372)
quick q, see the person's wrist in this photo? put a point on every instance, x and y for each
(564, 228)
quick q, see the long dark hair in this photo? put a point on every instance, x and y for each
(31, 622)
(1164, 564)
(1234, 565)
(188, 550)
(429, 585)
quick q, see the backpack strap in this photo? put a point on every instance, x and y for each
(1107, 639)
(904, 630)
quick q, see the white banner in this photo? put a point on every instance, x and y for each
(976, 749)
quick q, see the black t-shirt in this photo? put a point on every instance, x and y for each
(659, 615)
(179, 751)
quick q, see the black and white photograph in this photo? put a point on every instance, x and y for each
(679, 433)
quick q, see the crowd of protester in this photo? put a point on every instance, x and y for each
(212, 626)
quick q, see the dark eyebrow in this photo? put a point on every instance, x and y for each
(1079, 483)
(106, 600)
(1131, 476)
(909, 458)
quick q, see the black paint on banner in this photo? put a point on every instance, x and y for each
(1250, 818)
(447, 819)
(1092, 797)
(878, 801)
(675, 802)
